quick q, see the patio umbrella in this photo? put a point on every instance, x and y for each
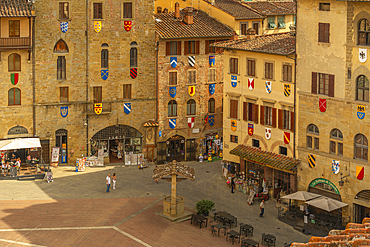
(20, 143)
(326, 203)
(301, 196)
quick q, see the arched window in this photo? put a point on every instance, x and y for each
(313, 137)
(336, 142)
(364, 32)
(14, 96)
(133, 55)
(104, 58)
(14, 62)
(190, 107)
(361, 147)
(211, 105)
(61, 47)
(17, 130)
(362, 88)
(172, 108)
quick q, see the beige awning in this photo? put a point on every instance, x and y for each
(326, 203)
(301, 196)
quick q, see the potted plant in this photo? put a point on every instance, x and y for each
(204, 206)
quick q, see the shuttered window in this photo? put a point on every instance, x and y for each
(268, 116)
(63, 10)
(98, 10)
(191, 47)
(243, 28)
(127, 10)
(61, 68)
(98, 94)
(192, 77)
(286, 120)
(173, 48)
(64, 95)
(211, 75)
(234, 108)
(173, 78)
(251, 67)
(287, 72)
(250, 112)
(269, 70)
(104, 58)
(233, 66)
(322, 84)
(324, 32)
(14, 28)
(211, 105)
(127, 91)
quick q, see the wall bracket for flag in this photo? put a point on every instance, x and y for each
(341, 182)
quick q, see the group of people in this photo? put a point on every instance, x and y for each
(5, 165)
(108, 181)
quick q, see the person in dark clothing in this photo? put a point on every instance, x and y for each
(232, 185)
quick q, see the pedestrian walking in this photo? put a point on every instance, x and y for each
(114, 181)
(262, 208)
(107, 180)
(232, 185)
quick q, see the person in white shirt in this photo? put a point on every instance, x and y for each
(18, 163)
(107, 179)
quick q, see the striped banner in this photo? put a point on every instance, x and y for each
(312, 160)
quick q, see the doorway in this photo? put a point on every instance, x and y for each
(116, 152)
(360, 212)
(61, 139)
(176, 148)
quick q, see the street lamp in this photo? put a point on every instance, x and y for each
(341, 182)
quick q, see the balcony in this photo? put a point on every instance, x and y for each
(15, 43)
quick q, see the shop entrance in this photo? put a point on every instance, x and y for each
(61, 142)
(360, 211)
(175, 148)
(116, 154)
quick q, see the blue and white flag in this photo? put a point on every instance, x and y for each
(173, 62)
(127, 107)
(172, 123)
(64, 26)
(212, 88)
(234, 80)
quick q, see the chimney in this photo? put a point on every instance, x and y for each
(188, 19)
(159, 10)
(212, 2)
(251, 33)
(177, 10)
(165, 11)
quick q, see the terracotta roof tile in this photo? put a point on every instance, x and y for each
(15, 8)
(204, 26)
(236, 9)
(269, 159)
(273, 8)
(280, 44)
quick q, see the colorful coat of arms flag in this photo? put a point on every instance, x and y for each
(287, 90)
(250, 129)
(191, 60)
(14, 78)
(133, 73)
(127, 108)
(212, 88)
(251, 83)
(64, 26)
(104, 74)
(98, 108)
(64, 111)
(172, 123)
(361, 111)
(211, 120)
(286, 137)
(362, 55)
(322, 105)
(360, 172)
(127, 25)
(268, 86)
(173, 62)
(212, 60)
(191, 90)
(312, 160)
(335, 166)
(234, 80)
(191, 121)
(97, 26)
(268, 133)
(233, 125)
(172, 91)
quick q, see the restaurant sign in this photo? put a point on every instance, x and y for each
(325, 181)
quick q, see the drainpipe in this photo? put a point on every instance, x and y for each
(156, 87)
(295, 83)
(87, 78)
(33, 79)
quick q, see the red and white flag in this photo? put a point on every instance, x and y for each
(191, 122)
(250, 83)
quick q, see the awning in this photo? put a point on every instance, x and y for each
(269, 159)
(20, 143)
(301, 196)
(326, 203)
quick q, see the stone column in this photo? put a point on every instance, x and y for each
(173, 195)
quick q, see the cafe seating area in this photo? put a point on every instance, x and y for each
(225, 225)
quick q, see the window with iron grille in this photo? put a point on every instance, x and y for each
(313, 137)
(234, 108)
(192, 77)
(255, 143)
(98, 97)
(233, 139)
(63, 10)
(17, 130)
(64, 96)
(283, 151)
(127, 10)
(324, 32)
(173, 78)
(98, 10)
(127, 91)
(61, 68)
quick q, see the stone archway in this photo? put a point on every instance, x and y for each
(261, 139)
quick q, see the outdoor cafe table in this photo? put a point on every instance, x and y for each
(246, 230)
(219, 227)
(268, 238)
(199, 219)
(225, 218)
(233, 235)
(249, 243)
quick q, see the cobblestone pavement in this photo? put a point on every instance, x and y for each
(74, 210)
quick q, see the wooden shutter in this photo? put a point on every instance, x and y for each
(292, 121)
(178, 47)
(186, 47)
(197, 47)
(331, 85)
(255, 113)
(168, 47)
(290, 73)
(245, 111)
(320, 34)
(266, 70)
(206, 47)
(314, 83)
(327, 32)
(280, 119)
(274, 117)
(262, 115)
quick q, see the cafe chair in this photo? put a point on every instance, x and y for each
(213, 231)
